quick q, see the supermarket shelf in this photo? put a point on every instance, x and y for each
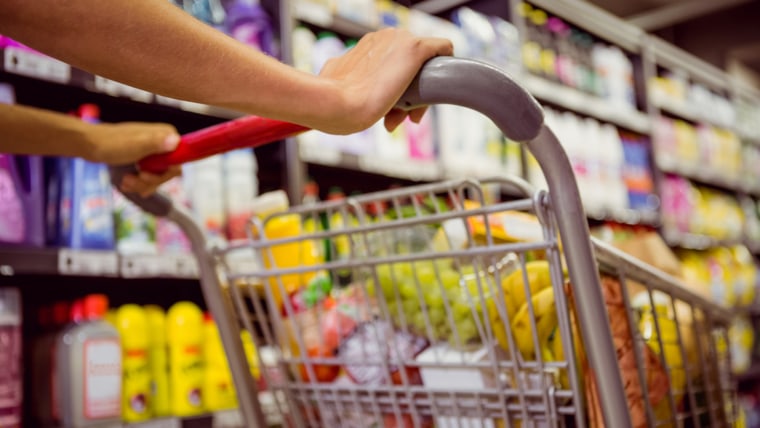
(225, 419)
(395, 168)
(321, 16)
(684, 110)
(699, 173)
(36, 66)
(581, 102)
(692, 241)
(626, 216)
(55, 261)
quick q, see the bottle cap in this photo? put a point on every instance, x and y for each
(76, 312)
(95, 306)
(60, 313)
(87, 111)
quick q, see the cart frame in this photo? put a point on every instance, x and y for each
(517, 114)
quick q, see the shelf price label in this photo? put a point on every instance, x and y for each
(33, 64)
(161, 265)
(158, 423)
(90, 263)
(117, 89)
(227, 419)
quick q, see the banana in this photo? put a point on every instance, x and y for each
(513, 285)
(546, 321)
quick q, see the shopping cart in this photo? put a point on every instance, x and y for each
(456, 312)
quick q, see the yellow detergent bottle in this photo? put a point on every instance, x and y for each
(288, 255)
(157, 355)
(132, 325)
(184, 336)
(218, 387)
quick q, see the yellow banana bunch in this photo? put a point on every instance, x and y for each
(513, 287)
(545, 320)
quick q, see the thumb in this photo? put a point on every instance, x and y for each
(158, 138)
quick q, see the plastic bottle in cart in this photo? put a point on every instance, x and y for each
(184, 336)
(159, 363)
(88, 368)
(132, 325)
(11, 392)
(288, 255)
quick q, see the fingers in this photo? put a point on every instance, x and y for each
(158, 138)
(416, 114)
(146, 183)
(394, 118)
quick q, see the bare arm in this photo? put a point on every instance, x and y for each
(33, 131)
(153, 45)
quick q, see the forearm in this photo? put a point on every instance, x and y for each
(30, 131)
(153, 45)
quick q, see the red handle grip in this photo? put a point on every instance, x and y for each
(249, 131)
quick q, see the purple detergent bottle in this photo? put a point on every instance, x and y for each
(249, 23)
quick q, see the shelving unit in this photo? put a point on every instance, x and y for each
(651, 51)
(63, 261)
(34, 65)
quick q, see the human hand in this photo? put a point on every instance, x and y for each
(129, 142)
(375, 73)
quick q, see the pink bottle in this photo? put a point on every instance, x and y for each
(11, 392)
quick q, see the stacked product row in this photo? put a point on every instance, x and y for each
(612, 166)
(69, 202)
(88, 363)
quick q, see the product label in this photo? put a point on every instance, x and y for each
(10, 376)
(102, 378)
(187, 372)
(137, 383)
(11, 212)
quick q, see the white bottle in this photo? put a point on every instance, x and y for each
(303, 48)
(591, 150)
(205, 190)
(613, 164)
(88, 368)
(240, 187)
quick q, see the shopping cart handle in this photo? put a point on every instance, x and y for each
(481, 87)
(442, 80)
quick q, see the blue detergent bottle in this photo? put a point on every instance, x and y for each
(85, 205)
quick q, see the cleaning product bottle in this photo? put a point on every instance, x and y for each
(88, 368)
(85, 206)
(249, 23)
(184, 335)
(21, 200)
(132, 325)
(11, 393)
(218, 387)
(43, 367)
(157, 357)
(169, 237)
(240, 187)
(205, 188)
(303, 47)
